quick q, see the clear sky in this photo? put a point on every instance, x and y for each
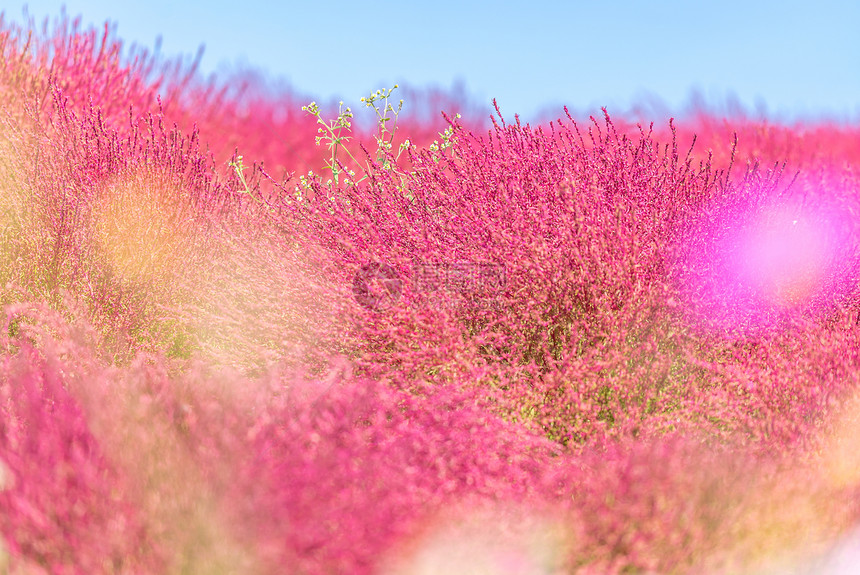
(792, 58)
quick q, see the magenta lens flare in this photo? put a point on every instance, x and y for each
(757, 267)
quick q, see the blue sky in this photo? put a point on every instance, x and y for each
(790, 58)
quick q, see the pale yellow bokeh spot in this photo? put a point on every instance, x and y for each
(492, 543)
(7, 480)
(140, 227)
(840, 454)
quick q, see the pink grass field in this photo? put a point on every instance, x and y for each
(590, 346)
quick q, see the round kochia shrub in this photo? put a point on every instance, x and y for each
(622, 298)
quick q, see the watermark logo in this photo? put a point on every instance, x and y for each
(377, 286)
(474, 278)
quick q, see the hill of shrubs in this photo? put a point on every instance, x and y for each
(244, 337)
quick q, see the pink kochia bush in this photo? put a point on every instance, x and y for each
(584, 347)
(66, 507)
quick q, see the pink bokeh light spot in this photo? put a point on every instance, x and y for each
(783, 259)
(759, 265)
